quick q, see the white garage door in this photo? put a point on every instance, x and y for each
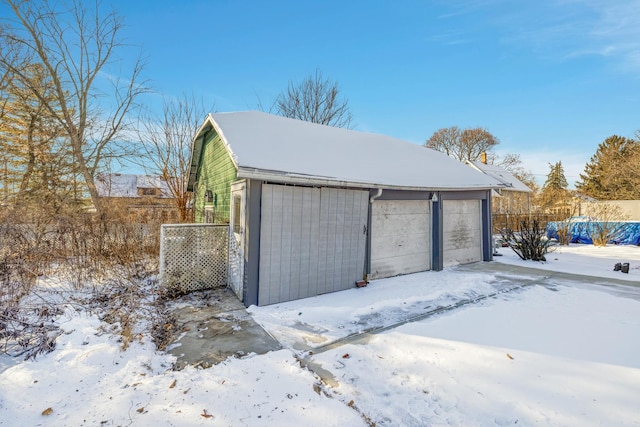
(312, 241)
(400, 237)
(462, 231)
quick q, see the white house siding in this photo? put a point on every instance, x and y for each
(312, 241)
(400, 237)
(462, 231)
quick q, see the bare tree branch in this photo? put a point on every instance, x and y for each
(74, 45)
(467, 144)
(167, 144)
(315, 100)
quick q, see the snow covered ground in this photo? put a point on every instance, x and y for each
(542, 350)
(585, 260)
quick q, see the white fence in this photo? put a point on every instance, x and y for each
(194, 256)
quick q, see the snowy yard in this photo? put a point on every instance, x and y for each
(542, 350)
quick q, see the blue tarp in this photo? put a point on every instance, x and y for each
(625, 233)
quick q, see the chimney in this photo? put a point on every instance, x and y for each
(483, 157)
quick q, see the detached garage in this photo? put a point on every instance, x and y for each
(314, 209)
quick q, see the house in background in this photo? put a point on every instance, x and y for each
(313, 209)
(143, 198)
(620, 210)
(514, 197)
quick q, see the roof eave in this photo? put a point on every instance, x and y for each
(290, 178)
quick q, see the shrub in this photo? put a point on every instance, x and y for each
(93, 257)
(605, 222)
(529, 242)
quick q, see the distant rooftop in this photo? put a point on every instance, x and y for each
(501, 175)
(127, 185)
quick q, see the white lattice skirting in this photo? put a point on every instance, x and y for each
(194, 256)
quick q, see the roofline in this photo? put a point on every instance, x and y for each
(293, 178)
(508, 185)
(196, 147)
(289, 178)
(473, 165)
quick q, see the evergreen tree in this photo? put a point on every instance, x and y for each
(607, 175)
(556, 179)
(555, 192)
(32, 158)
(75, 43)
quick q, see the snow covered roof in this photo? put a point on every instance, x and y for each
(268, 147)
(126, 185)
(502, 175)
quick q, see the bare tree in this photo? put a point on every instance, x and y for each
(513, 164)
(606, 222)
(167, 144)
(565, 226)
(474, 142)
(445, 140)
(74, 44)
(315, 100)
(509, 161)
(467, 144)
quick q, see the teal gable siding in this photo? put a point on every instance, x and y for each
(216, 172)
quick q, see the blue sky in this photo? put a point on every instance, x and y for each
(550, 78)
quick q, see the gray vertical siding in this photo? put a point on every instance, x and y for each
(312, 241)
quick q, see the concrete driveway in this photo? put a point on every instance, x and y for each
(214, 325)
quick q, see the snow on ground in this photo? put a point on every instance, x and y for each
(89, 381)
(541, 356)
(404, 378)
(587, 260)
(321, 320)
(543, 350)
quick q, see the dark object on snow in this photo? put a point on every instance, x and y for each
(625, 267)
(617, 267)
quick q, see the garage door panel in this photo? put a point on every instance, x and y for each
(402, 244)
(401, 207)
(401, 224)
(462, 232)
(400, 237)
(390, 266)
